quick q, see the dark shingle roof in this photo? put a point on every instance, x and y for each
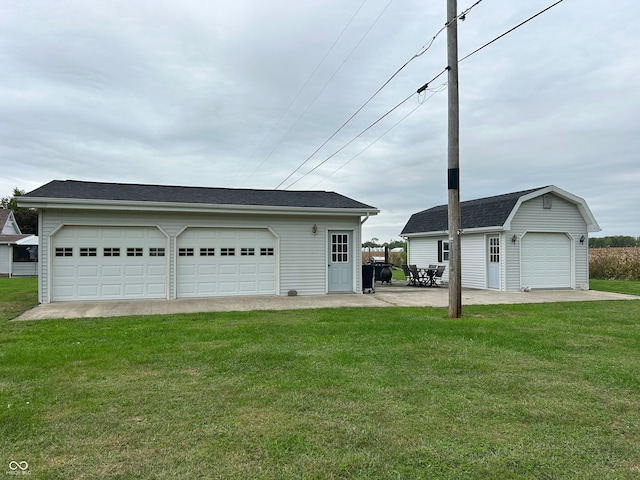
(483, 212)
(80, 190)
(4, 216)
(5, 239)
(12, 238)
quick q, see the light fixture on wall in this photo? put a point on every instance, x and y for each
(514, 239)
(582, 239)
(314, 229)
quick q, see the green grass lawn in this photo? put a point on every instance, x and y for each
(17, 295)
(508, 392)
(618, 286)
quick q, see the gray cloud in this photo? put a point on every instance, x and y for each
(196, 93)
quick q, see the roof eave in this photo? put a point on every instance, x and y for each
(468, 231)
(438, 233)
(79, 204)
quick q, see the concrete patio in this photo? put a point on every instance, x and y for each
(394, 295)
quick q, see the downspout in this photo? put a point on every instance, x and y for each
(365, 219)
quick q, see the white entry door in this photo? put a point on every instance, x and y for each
(493, 262)
(340, 262)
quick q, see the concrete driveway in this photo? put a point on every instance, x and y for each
(396, 295)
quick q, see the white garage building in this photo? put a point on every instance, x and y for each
(123, 241)
(534, 238)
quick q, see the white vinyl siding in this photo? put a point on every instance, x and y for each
(424, 251)
(511, 262)
(5, 255)
(304, 255)
(563, 217)
(472, 249)
(24, 269)
(300, 256)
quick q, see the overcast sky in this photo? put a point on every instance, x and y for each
(241, 93)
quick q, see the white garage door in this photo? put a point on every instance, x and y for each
(546, 260)
(224, 262)
(95, 263)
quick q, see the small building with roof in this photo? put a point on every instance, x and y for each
(101, 241)
(532, 239)
(18, 251)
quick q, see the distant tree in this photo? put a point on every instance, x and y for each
(398, 244)
(373, 243)
(27, 219)
(10, 202)
(614, 241)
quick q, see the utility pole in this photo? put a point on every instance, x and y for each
(453, 172)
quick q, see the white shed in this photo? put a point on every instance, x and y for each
(124, 241)
(536, 239)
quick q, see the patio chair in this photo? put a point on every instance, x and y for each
(411, 280)
(419, 280)
(438, 275)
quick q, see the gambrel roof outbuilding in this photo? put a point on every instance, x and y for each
(490, 212)
(536, 238)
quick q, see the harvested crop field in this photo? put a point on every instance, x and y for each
(615, 263)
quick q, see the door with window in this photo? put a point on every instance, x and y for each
(493, 262)
(340, 262)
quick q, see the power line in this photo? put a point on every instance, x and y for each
(423, 50)
(349, 142)
(422, 102)
(298, 94)
(461, 16)
(325, 86)
(419, 91)
(510, 30)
